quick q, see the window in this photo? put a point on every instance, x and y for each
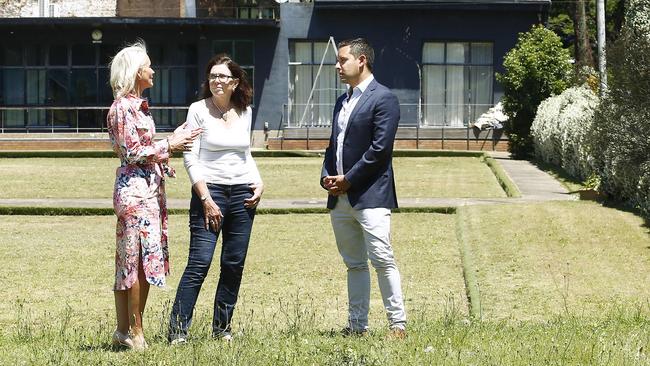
(304, 62)
(456, 82)
(175, 67)
(67, 85)
(242, 52)
(242, 9)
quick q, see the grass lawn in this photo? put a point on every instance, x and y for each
(61, 269)
(284, 177)
(562, 283)
(578, 258)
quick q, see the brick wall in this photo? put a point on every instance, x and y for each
(151, 8)
(301, 144)
(12, 9)
(14, 142)
(54, 145)
(66, 8)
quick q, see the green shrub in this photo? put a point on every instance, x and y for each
(560, 130)
(620, 139)
(536, 68)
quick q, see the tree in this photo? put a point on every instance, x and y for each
(565, 14)
(536, 68)
(584, 56)
(620, 137)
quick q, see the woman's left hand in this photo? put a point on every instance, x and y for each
(258, 189)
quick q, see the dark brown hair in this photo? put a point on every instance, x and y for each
(242, 97)
(358, 47)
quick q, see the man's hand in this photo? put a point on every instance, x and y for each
(336, 185)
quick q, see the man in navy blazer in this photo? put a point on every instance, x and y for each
(358, 175)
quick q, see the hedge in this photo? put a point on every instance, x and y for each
(560, 130)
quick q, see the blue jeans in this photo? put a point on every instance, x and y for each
(236, 229)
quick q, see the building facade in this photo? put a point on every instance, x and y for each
(439, 57)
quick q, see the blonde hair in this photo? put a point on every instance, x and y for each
(125, 66)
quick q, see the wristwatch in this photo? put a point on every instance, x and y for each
(205, 197)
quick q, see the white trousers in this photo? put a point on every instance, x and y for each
(361, 235)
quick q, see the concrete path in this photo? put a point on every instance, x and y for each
(534, 185)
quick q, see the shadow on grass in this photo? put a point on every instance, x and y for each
(566, 179)
(103, 347)
(626, 207)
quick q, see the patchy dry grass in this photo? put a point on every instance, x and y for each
(284, 178)
(561, 283)
(65, 265)
(539, 260)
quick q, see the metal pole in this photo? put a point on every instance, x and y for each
(322, 60)
(602, 61)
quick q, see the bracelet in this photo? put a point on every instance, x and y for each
(205, 197)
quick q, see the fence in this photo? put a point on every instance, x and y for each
(416, 130)
(411, 114)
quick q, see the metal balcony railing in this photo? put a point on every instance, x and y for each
(411, 114)
(239, 12)
(77, 119)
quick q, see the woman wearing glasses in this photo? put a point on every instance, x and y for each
(226, 188)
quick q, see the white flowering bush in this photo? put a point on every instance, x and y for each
(620, 138)
(560, 130)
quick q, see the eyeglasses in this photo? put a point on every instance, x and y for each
(222, 78)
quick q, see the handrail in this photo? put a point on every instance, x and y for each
(69, 127)
(412, 114)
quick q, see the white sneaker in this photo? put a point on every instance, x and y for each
(224, 336)
(178, 341)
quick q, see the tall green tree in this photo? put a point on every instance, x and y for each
(536, 68)
(575, 22)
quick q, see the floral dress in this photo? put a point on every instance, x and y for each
(139, 195)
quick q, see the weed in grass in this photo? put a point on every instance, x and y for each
(297, 313)
(24, 322)
(451, 313)
(563, 288)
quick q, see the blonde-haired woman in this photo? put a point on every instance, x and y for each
(141, 256)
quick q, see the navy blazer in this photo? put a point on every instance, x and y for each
(367, 149)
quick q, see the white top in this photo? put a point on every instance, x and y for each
(222, 154)
(344, 116)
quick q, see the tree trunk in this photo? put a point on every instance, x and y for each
(584, 56)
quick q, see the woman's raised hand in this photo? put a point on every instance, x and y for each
(181, 127)
(182, 138)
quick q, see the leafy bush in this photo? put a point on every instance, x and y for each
(620, 139)
(536, 68)
(560, 130)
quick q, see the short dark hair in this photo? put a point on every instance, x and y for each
(358, 47)
(243, 95)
